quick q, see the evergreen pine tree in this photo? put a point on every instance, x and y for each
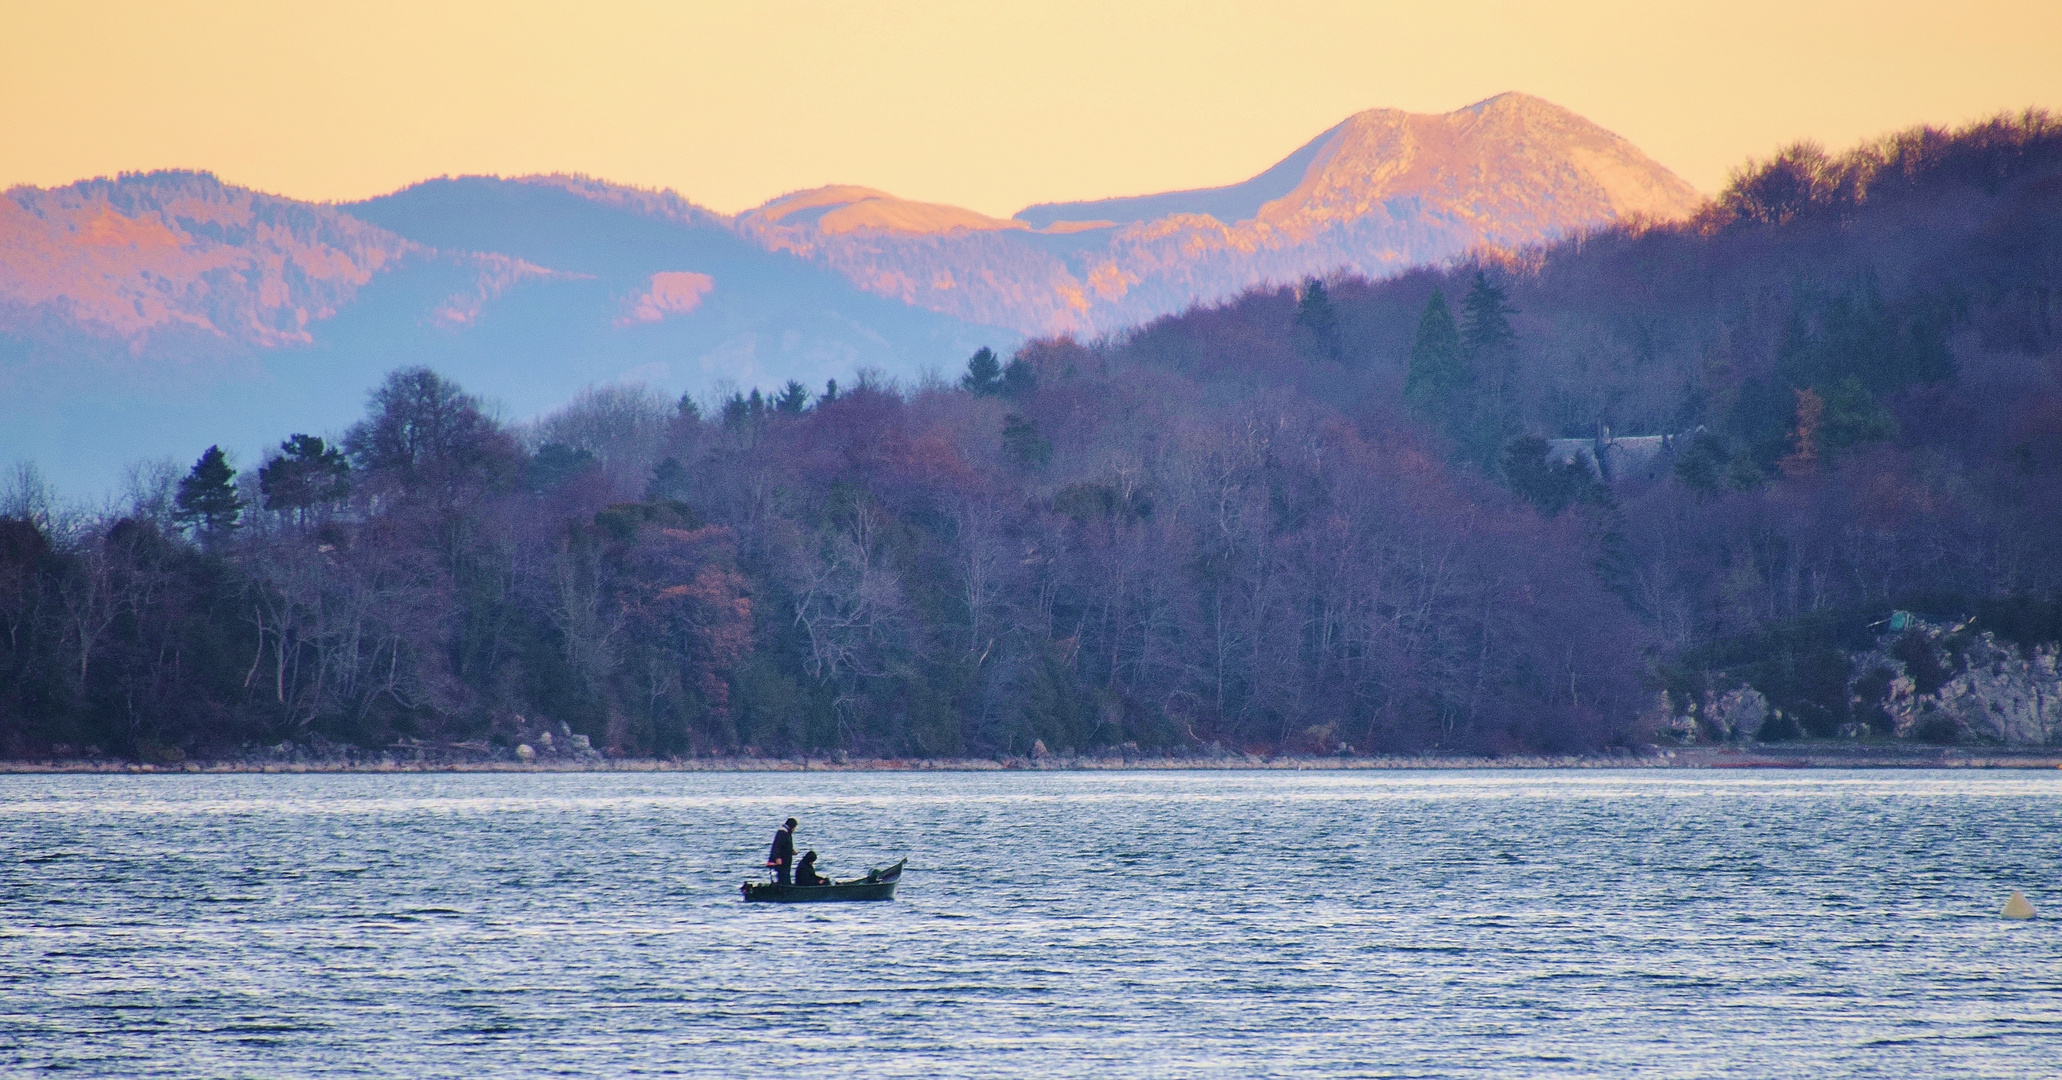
(1483, 427)
(1020, 438)
(1438, 370)
(793, 398)
(1019, 378)
(1318, 320)
(1488, 313)
(557, 463)
(1550, 486)
(669, 481)
(688, 410)
(830, 392)
(207, 496)
(306, 474)
(1852, 416)
(1702, 466)
(984, 374)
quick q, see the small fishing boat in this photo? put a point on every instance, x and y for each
(876, 885)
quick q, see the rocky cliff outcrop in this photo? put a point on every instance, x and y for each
(1948, 683)
(1940, 682)
(1734, 715)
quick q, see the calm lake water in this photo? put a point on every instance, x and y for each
(1495, 924)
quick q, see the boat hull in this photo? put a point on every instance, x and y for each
(769, 893)
(878, 885)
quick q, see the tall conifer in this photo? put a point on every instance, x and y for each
(1019, 378)
(1316, 317)
(984, 374)
(1488, 314)
(1438, 370)
(792, 399)
(1486, 342)
(307, 473)
(207, 496)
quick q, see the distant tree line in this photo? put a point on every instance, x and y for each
(1318, 519)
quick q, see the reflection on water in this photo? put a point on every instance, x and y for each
(1095, 924)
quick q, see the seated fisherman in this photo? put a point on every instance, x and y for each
(805, 874)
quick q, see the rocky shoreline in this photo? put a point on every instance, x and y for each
(1766, 756)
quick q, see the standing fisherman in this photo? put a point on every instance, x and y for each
(782, 855)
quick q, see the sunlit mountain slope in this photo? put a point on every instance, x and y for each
(1382, 191)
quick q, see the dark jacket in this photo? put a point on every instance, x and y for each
(806, 874)
(783, 851)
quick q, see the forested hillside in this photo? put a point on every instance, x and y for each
(1317, 519)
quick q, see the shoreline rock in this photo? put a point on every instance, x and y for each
(1749, 756)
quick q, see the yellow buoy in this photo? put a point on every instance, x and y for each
(2017, 907)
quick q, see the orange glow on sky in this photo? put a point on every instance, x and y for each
(987, 106)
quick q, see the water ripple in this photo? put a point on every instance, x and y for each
(1636, 924)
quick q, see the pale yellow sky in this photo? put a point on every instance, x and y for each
(987, 105)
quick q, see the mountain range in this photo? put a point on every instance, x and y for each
(1380, 192)
(156, 313)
